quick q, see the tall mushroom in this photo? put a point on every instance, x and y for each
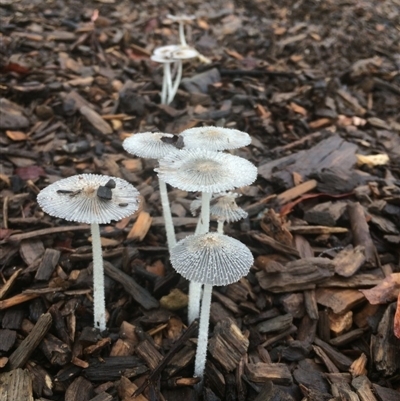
(92, 199)
(208, 172)
(153, 145)
(211, 259)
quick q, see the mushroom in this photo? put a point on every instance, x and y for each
(206, 171)
(211, 259)
(167, 55)
(153, 145)
(214, 138)
(183, 53)
(162, 55)
(223, 208)
(93, 199)
(181, 19)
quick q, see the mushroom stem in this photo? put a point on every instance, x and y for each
(194, 301)
(164, 89)
(175, 86)
(203, 226)
(99, 304)
(205, 212)
(220, 227)
(182, 33)
(169, 225)
(202, 341)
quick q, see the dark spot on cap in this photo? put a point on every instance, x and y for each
(176, 141)
(110, 184)
(104, 193)
(64, 191)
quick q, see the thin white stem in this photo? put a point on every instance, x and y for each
(203, 226)
(194, 301)
(164, 89)
(202, 341)
(169, 225)
(99, 303)
(182, 37)
(198, 226)
(175, 86)
(205, 212)
(220, 227)
(169, 82)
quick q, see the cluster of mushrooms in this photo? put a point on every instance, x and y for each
(195, 163)
(172, 57)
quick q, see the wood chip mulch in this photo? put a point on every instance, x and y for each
(317, 86)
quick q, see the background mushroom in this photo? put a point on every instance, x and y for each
(181, 19)
(162, 55)
(92, 199)
(211, 259)
(168, 56)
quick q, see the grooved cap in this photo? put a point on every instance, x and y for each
(223, 207)
(89, 198)
(149, 145)
(214, 138)
(205, 170)
(211, 258)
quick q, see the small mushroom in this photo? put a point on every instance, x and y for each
(93, 199)
(211, 259)
(223, 208)
(162, 55)
(168, 56)
(181, 19)
(183, 53)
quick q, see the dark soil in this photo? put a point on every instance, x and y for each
(316, 84)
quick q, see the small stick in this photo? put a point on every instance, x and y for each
(20, 356)
(178, 344)
(44, 231)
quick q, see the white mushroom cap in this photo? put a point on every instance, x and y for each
(171, 53)
(205, 170)
(149, 145)
(181, 17)
(223, 207)
(166, 50)
(76, 198)
(211, 258)
(184, 53)
(215, 138)
(163, 54)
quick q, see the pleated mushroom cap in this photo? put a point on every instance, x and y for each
(163, 54)
(89, 198)
(214, 138)
(149, 145)
(211, 258)
(181, 17)
(205, 170)
(184, 53)
(223, 207)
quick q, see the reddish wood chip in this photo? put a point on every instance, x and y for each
(397, 319)
(385, 292)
